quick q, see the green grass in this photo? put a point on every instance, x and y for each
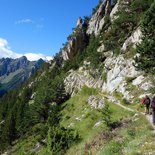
(27, 143)
(76, 111)
(77, 107)
(135, 103)
(126, 138)
(134, 138)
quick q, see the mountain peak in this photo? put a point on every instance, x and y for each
(13, 72)
(79, 22)
(23, 58)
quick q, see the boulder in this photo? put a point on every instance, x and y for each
(101, 48)
(146, 86)
(98, 124)
(96, 102)
(138, 80)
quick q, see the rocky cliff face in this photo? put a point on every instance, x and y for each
(77, 79)
(98, 19)
(118, 72)
(118, 69)
(77, 42)
(79, 39)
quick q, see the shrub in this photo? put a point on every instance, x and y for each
(131, 132)
(125, 101)
(60, 139)
(122, 27)
(129, 79)
(114, 147)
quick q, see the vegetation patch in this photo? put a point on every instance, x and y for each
(130, 139)
(83, 119)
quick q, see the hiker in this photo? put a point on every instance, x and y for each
(146, 102)
(153, 109)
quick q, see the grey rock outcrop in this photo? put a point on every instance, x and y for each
(146, 85)
(79, 22)
(77, 79)
(97, 21)
(113, 15)
(132, 40)
(96, 102)
(77, 42)
(138, 80)
(142, 82)
(117, 68)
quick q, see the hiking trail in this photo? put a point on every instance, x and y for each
(117, 102)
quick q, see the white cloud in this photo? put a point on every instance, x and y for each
(36, 56)
(24, 21)
(38, 25)
(48, 58)
(6, 52)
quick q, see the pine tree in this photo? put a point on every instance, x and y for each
(106, 112)
(9, 130)
(146, 50)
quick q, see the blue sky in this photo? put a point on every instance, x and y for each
(39, 26)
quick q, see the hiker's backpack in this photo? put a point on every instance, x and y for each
(153, 104)
(146, 101)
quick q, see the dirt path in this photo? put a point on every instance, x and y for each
(149, 118)
(117, 102)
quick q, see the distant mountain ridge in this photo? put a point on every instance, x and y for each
(13, 72)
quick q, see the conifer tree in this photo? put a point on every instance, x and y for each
(146, 50)
(107, 115)
(9, 130)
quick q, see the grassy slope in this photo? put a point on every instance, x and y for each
(132, 136)
(77, 107)
(128, 137)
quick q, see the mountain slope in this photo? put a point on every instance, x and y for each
(13, 72)
(72, 105)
